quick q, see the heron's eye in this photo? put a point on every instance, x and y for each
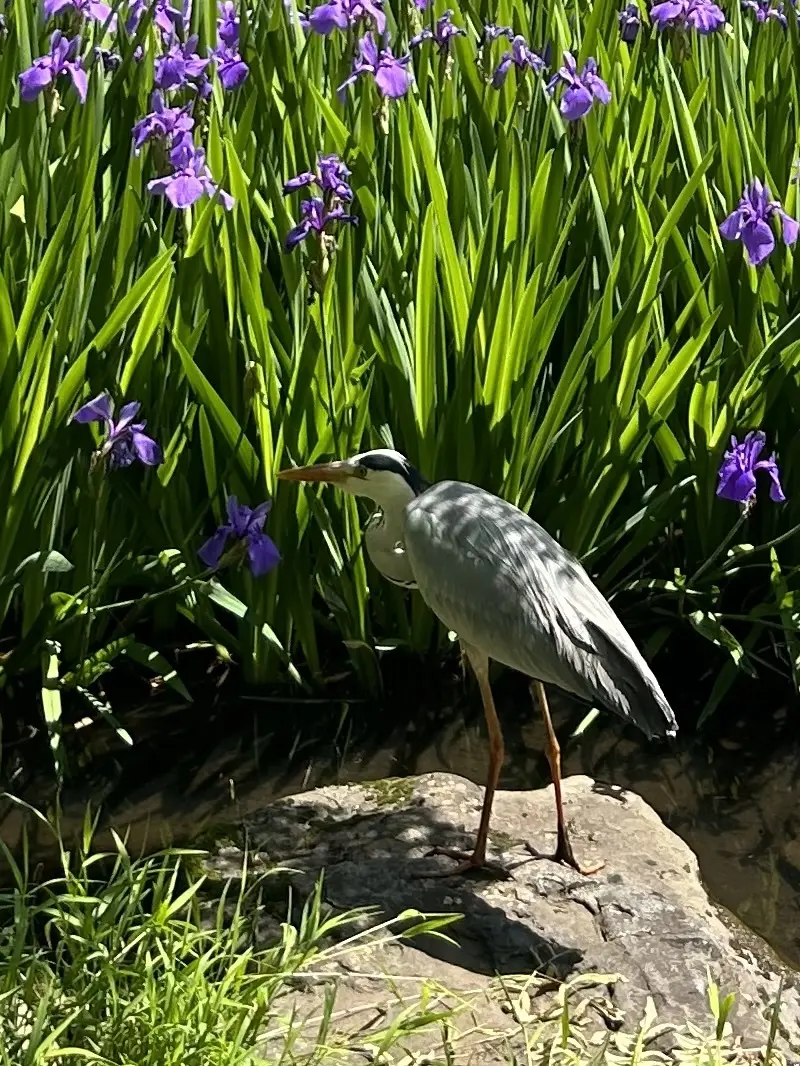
(361, 471)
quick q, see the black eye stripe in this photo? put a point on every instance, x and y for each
(383, 462)
(410, 474)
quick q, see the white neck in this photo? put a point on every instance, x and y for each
(385, 530)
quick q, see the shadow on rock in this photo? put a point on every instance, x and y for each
(379, 860)
(644, 916)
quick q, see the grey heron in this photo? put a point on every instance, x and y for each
(511, 593)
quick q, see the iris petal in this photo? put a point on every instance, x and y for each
(392, 79)
(664, 13)
(790, 227)
(503, 67)
(33, 80)
(328, 17)
(776, 493)
(184, 190)
(97, 410)
(211, 552)
(731, 228)
(736, 484)
(147, 450)
(576, 102)
(759, 241)
(263, 553)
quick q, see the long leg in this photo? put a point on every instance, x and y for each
(553, 751)
(564, 852)
(477, 860)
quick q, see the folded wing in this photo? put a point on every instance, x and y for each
(505, 586)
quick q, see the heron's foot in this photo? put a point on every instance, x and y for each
(565, 855)
(467, 862)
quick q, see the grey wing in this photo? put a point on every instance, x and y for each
(506, 587)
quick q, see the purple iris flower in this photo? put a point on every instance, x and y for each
(491, 33)
(162, 122)
(331, 177)
(179, 65)
(165, 16)
(316, 216)
(125, 439)
(630, 22)
(329, 17)
(91, 9)
(191, 178)
(232, 69)
(340, 14)
(581, 89)
(701, 15)
(442, 35)
(750, 223)
(246, 526)
(228, 24)
(522, 57)
(737, 474)
(62, 58)
(764, 11)
(391, 77)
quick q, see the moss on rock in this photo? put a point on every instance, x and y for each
(390, 791)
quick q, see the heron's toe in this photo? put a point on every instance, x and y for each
(467, 863)
(565, 855)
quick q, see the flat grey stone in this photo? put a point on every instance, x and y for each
(645, 915)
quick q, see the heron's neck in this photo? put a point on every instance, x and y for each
(384, 538)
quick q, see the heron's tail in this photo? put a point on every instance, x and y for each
(634, 694)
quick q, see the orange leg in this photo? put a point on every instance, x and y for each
(477, 859)
(563, 852)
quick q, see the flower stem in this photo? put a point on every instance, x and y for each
(767, 544)
(97, 489)
(720, 548)
(328, 373)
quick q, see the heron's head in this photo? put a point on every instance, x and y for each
(382, 474)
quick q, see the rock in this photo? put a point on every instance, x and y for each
(645, 915)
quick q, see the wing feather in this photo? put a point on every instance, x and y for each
(505, 586)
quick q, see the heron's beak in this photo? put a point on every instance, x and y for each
(332, 473)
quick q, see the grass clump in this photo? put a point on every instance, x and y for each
(121, 961)
(119, 967)
(122, 967)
